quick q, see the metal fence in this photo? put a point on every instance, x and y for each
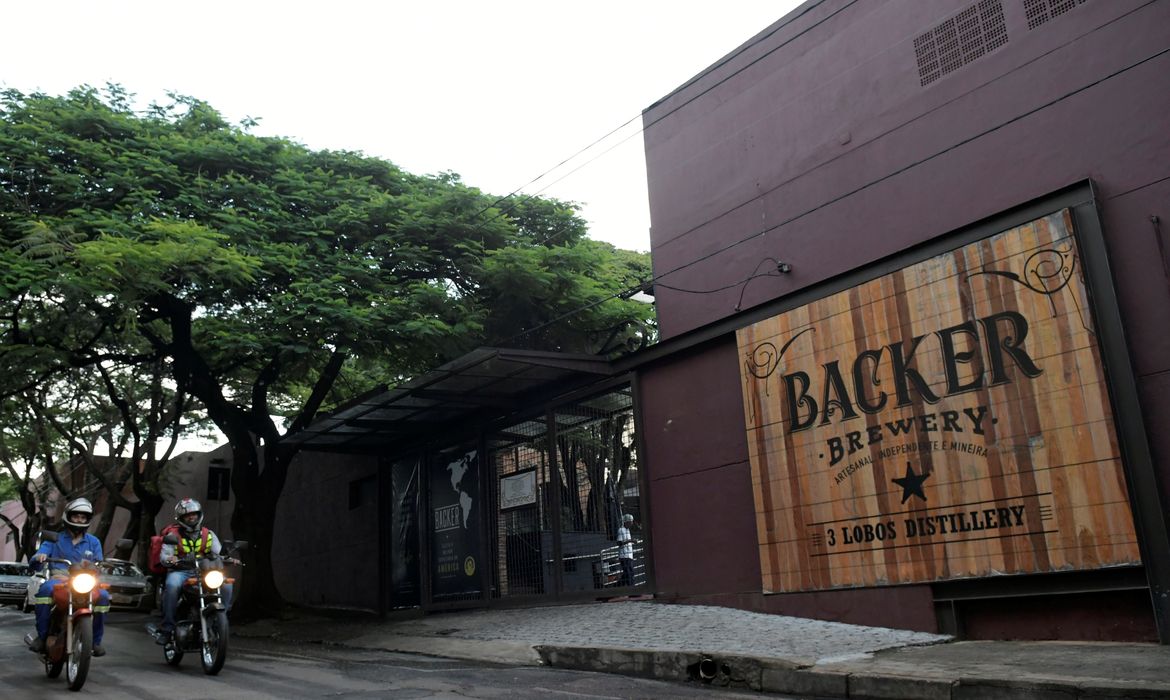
(519, 458)
(580, 463)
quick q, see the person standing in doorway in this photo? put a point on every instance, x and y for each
(626, 551)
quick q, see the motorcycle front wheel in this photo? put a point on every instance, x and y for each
(53, 668)
(77, 662)
(215, 643)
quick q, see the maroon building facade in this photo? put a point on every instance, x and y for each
(911, 277)
(857, 138)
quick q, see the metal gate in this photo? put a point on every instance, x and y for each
(578, 462)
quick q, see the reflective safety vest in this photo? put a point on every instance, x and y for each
(201, 546)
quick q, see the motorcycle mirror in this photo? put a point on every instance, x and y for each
(124, 543)
(48, 536)
(170, 538)
(241, 545)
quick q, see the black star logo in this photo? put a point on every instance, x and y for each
(912, 483)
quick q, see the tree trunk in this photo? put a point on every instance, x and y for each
(256, 491)
(146, 487)
(254, 519)
(107, 518)
(32, 525)
(32, 521)
(130, 532)
(144, 529)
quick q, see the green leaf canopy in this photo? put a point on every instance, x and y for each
(114, 219)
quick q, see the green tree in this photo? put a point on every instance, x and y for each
(22, 447)
(10, 491)
(273, 278)
(57, 427)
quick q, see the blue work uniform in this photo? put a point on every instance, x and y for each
(88, 548)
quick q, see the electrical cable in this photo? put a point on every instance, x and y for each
(727, 59)
(831, 160)
(718, 251)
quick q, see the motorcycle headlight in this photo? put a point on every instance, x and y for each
(213, 579)
(83, 582)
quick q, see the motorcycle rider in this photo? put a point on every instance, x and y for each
(75, 544)
(189, 516)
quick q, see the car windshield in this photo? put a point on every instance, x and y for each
(120, 569)
(7, 569)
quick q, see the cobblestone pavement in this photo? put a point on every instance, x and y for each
(646, 625)
(779, 654)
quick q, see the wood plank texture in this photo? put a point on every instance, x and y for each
(948, 420)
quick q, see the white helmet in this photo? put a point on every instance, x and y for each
(185, 507)
(627, 518)
(78, 514)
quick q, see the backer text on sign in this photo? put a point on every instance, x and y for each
(947, 420)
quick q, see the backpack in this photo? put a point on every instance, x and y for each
(154, 560)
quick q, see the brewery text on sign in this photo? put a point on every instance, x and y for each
(947, 420)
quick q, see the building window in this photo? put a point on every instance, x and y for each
(219, 484)
(361, 491)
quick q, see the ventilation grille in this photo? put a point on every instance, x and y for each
(975, 31)
(1040, 11)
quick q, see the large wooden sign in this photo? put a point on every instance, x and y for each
(947, 420)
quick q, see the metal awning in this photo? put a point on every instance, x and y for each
(483, 382)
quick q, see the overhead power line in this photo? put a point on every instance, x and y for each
(655, 279)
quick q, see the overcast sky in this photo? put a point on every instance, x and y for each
(499, 92)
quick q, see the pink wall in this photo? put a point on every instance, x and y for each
(14, 512)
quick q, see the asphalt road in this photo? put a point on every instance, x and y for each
(257, 668)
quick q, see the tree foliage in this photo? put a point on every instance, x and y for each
(269, 277)
(7, 488)
(90, 431)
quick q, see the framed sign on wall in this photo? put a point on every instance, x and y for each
(947, 420)
(518, 490)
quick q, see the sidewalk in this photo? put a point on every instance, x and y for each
(735, 648)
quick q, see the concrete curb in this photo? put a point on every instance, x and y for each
(952, 671)
(495, 651)
(727, 671)
(809, 680)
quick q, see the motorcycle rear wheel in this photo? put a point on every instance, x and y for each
(215, 645)
(77, 662)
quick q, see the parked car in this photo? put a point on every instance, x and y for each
(129, 586)
(13, 582)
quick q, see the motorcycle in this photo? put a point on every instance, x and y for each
(69, 644)
(201, 622)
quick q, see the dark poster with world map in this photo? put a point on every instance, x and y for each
(947, 420)
(455, 539)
